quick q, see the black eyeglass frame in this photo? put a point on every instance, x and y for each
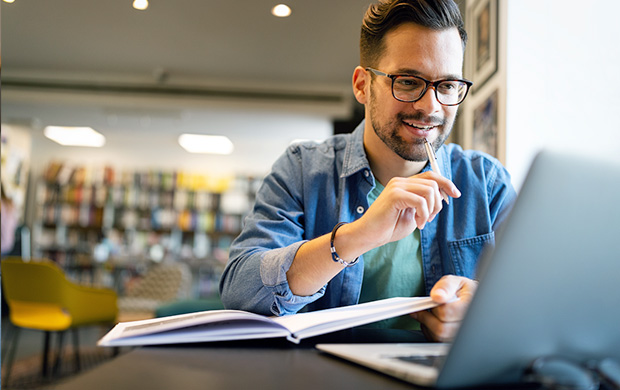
(428, 84)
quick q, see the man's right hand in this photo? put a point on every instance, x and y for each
(404, 204)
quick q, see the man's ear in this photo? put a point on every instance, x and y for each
(361, 80)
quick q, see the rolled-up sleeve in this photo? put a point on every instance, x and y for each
(255, 277)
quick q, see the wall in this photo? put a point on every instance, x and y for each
(563, 90)
(485, 85)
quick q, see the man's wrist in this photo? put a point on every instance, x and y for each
(349, 243)
(335, 257)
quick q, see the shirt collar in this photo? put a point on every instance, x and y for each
(355, 159)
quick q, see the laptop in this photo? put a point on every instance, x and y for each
(551, 285)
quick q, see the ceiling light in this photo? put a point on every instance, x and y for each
(141, 4)
(75, 136)
(299, 140)
(9, 1)
(213, 144)
(281, 10)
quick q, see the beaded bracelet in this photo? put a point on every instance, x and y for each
(335, 256)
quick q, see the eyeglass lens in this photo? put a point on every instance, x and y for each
(409, 88)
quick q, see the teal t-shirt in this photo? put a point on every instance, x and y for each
(393, 270)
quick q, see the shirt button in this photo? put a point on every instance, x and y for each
(366, 173)
(360, 210)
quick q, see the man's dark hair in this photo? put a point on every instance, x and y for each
(386, 15)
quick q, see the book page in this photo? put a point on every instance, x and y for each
(219, 325)
(213, 331)
(211, 325)
(303, 325)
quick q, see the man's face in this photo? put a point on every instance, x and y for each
(431, 54)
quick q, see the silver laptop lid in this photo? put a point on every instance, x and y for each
(552, 284)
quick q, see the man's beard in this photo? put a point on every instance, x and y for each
(389, 133)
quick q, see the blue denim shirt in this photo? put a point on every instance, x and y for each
(314, 186)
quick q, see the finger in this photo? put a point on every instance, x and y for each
(436, 329)
(420, 192)
(444, 184)
(455, 293)
(417, 198)
(449, 188)
(422, 212)
(451, 312)
(438, 205)
(433, 193)
(451, 287)
(445, 289)
(443, 337)
(429, 190)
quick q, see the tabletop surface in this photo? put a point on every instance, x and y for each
(246, 364)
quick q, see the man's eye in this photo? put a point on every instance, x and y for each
(409, 83)
(447, 87)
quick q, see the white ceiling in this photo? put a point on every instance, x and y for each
(80, 61)
(197, 39)
(183, 50)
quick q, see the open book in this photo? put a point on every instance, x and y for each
(221, 325)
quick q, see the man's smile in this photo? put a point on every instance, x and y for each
(419, 126)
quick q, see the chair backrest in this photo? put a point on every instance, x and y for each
(40, 284)
(38, 280)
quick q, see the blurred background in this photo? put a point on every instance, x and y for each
(545, 76)
(150, 207)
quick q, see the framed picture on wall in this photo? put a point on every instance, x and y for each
(486, 125)
(483, 30)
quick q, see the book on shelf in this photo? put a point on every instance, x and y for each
(226, 325)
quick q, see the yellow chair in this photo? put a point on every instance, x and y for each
(40, 297)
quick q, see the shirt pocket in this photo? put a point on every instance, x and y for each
(465, 253)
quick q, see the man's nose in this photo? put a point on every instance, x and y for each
(428, 103)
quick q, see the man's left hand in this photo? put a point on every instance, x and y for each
(453, 293)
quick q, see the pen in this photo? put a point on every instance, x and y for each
(434, 167)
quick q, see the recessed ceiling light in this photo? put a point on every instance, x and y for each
(211, 144)
(9, 1)
(141, 4)
(281, 10)
(75, 136)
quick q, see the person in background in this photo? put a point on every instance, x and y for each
(362, 216)
(9, 223)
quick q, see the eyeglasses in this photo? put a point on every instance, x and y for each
(409, 88)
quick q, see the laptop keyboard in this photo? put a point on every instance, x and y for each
(428, 360)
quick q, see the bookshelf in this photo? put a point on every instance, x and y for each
(97, 222)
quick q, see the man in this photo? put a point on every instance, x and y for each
(399, 238)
